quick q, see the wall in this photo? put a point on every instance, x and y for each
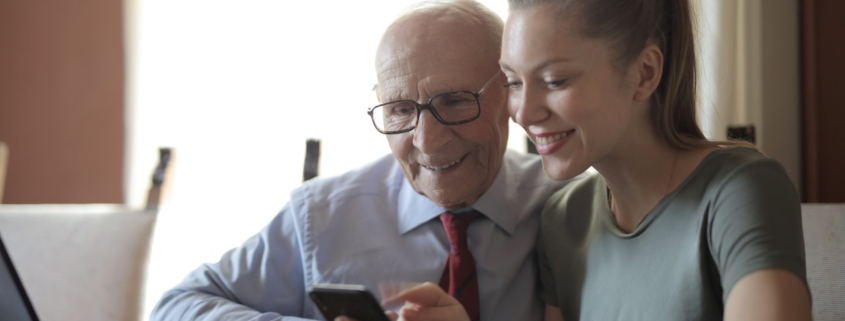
(823, 96)
(61, 100)
(778, 86)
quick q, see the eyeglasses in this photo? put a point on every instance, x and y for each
(452, 108)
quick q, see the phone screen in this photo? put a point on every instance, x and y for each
(353, 301)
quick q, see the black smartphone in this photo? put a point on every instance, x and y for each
(349, 300)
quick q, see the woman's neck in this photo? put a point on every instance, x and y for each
(642, 171)
(639, 173)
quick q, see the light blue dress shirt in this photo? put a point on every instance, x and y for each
(369, 226)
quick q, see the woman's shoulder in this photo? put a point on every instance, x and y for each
(578, 196)
(583, 186)
(737, 164)
(572, 213)
(734, 182)
(738, 156)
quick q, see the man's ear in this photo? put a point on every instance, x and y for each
(376, 92)
(650, 71)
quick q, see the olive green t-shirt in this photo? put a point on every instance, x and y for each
(736, 213)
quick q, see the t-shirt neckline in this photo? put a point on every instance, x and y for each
(659, 208)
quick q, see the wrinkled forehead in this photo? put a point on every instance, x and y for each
(420, 57)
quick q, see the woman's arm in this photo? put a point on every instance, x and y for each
(770, 294)
(757, 243)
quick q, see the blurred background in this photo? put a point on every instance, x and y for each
(90, 89)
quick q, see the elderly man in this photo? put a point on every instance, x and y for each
(450, 183)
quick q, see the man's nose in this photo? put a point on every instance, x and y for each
(430, 135)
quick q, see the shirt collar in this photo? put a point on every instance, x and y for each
(497, 204)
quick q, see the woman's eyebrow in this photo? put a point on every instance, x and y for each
(539, 66)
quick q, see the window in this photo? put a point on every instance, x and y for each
(231, 85)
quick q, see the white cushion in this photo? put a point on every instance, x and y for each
(79, 262)
(824, 241)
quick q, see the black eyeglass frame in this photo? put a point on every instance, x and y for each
(430, 107)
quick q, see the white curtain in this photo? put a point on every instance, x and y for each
(748, 59)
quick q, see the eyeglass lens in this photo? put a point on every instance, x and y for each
(450, 107)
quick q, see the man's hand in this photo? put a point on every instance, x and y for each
(390, 314)
(424, 302)
(428, 302)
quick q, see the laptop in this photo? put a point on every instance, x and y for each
(14, 303)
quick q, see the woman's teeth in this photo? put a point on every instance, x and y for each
(543, 141)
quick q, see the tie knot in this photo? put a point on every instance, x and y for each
(456, 227)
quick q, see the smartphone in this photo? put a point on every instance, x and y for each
(349, 300)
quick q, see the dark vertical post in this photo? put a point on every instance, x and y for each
(156, 193)
(809, 108)
(312, 159)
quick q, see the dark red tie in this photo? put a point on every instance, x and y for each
(459, 277)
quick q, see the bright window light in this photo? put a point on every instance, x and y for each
(236, 88)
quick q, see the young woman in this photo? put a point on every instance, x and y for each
(674, 227)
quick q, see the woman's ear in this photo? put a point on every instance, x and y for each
(650, 71)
